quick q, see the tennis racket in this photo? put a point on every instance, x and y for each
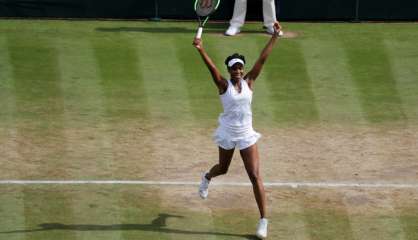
(204, 8)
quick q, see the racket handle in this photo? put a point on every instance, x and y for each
(199, 33)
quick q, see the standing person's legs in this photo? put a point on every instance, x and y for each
(238, 17)
(225, 157)
(251, 161)
(269, 13)
(240, 10)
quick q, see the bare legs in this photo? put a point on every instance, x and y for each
(251, 162)
(221, 168)
(252, 166)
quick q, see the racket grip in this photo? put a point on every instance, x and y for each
(199, 33)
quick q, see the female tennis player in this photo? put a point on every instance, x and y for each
(235, 123)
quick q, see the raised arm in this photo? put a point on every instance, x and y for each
(255, 71)
(219, 81)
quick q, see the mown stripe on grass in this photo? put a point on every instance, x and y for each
(403, 56)
(101, 214)
(141, 208)
(404, 204)
(290, 85)
(44, 215)
(121, 79)
(409, 220)
(332, 85)
(86, 130)
(44, 208)
(11, 203)
(40, 124)
(39, 105)
(35, 73)
(164, 80)
(7, 91)
(125, 101)
(287, 214)
(209, 222)
(234, 221)
(8, 130)
(373, 76)
(202, 93)
(198, 222)
(80, 83)
(125, 96)
(326, 222)
(380, 222)
(12, 212)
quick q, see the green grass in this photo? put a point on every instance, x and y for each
(150, 71)
(120, 77)
(92, 99)
(126, 212)
(290, 85)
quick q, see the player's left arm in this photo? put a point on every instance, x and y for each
(255, 71)
(219, 81)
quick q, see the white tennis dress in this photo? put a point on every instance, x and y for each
(235, 123)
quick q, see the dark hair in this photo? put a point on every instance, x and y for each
(235, 55)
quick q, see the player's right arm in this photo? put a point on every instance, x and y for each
(219, 81)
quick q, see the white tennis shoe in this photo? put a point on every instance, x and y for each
(262, 228)
(232, 31)
(204, 185)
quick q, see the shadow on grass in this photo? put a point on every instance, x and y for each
(145, 29)
(213, 28)
(157, 225)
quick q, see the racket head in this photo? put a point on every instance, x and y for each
(205, 8)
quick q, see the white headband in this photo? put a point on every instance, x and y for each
(235, 60)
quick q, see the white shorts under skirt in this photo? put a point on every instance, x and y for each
(223, 139)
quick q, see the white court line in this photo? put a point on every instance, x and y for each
(180, 183)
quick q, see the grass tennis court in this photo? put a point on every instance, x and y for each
(124, 100)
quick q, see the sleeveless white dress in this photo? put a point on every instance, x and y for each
(235, 123)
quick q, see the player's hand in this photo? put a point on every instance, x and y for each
(197, 43)
(277, 28)
(206, 4)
